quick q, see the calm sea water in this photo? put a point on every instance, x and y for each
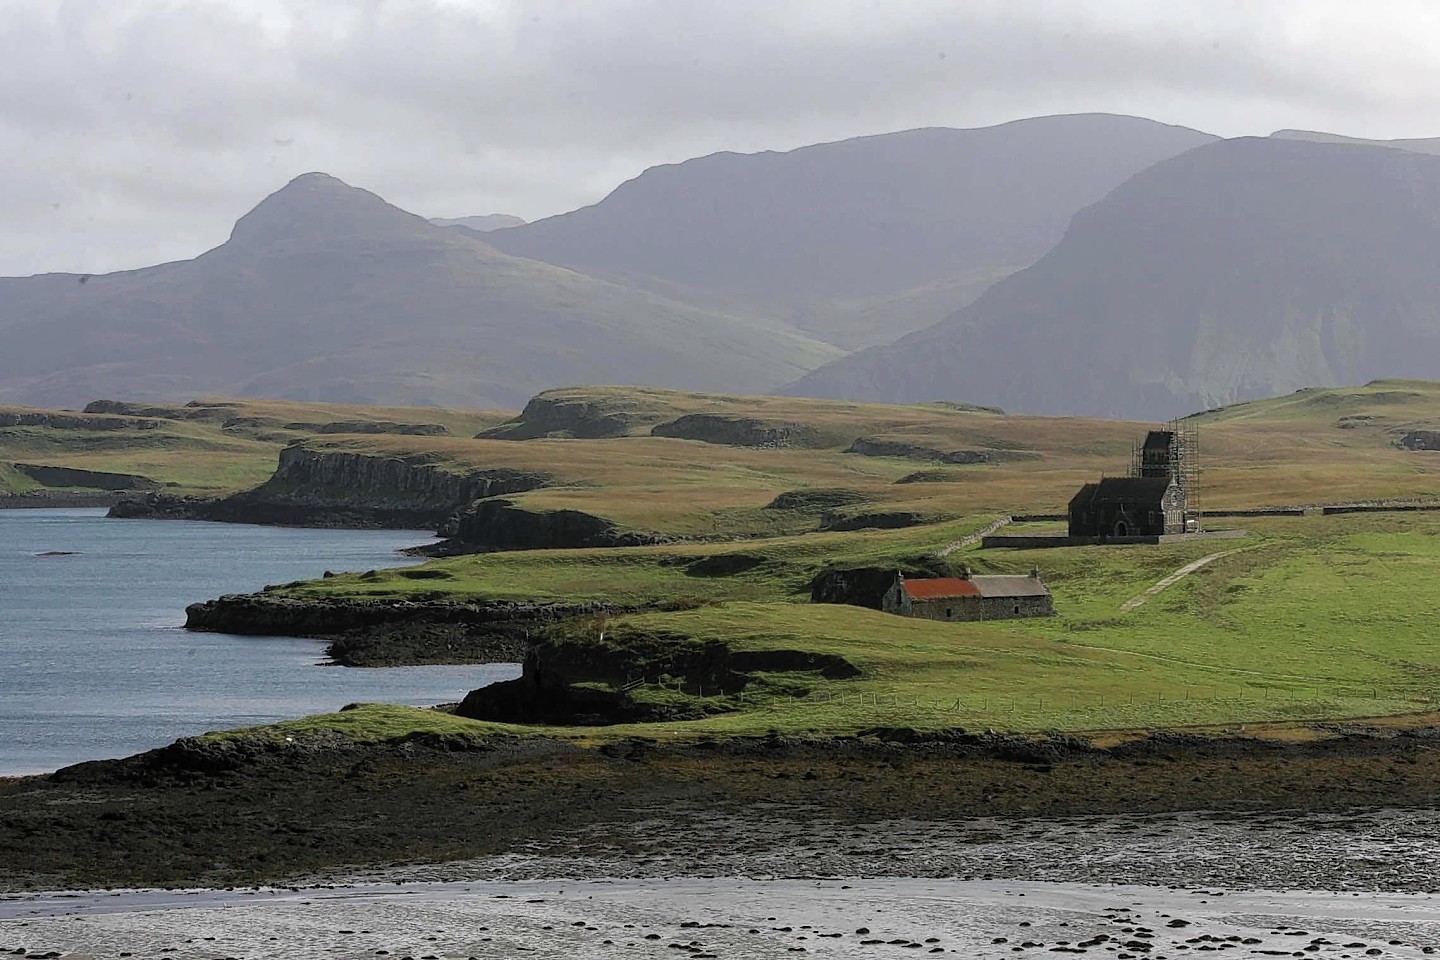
(94, 662)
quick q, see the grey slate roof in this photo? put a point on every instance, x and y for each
(1005, 586)
(1131, 489)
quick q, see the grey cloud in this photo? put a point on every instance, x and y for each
(137, 130)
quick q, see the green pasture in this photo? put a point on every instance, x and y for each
(1316, 618)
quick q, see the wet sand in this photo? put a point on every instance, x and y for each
(723, 917)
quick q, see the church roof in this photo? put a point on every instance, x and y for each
(1126, 489)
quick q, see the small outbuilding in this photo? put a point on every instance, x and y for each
(970, 598)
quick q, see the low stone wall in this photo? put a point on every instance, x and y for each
(1379, 508)
(1040, 542)
(1260, 512)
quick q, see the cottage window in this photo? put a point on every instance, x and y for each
(948, 610)
(1017, 609)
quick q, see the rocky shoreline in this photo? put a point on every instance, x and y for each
(57, 499)
(258, 808)
(387, 633)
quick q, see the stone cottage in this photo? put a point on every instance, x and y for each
(969, 598)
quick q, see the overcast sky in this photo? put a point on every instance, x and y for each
(136, 131)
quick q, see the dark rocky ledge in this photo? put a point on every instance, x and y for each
(327, 488)
(373, 633)
(50, 499)
(265, 808)
(497, 524)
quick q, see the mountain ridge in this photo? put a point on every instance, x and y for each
(326, 291)
(1243, 268)
(829, 237)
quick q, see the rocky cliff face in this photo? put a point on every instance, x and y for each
(343, 489)
(72, 421)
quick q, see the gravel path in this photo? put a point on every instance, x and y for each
(1173, 579)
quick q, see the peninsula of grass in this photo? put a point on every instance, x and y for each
(1306, 619)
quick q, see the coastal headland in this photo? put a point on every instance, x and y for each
(692, 584)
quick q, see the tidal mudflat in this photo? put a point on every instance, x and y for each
(723, 917)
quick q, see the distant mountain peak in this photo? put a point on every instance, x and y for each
(319, 207)
(483, 223)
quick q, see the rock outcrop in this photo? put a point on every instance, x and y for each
(738, 431)
(866, 586)
(393, 632)
(883, 447)
(839, 520)
(589, 682)
(499, 524)
(816, 498)
(332, 488)
(561, 415)
(1421, 440)
(74, 421)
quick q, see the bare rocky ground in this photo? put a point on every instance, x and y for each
(889, 845)
(216, 814)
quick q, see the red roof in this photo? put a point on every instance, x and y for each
(939, 587)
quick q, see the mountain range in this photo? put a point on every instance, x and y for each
(1240, 269)
(1087, 264)
(860, 241)
(327, 292)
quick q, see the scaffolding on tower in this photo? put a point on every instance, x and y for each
(1185, 467)
(1179, 459)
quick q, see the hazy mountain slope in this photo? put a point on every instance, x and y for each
(1241, 269)
(1421, 145)
(326, 292)
(481, 224)
(818, 234)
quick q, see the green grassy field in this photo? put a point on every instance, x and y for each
(1308, 618)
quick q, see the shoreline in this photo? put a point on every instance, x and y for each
(58, 500)
(244, 810)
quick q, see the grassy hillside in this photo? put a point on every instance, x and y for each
(597, 443)
(1306, 618)
(210, 446)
